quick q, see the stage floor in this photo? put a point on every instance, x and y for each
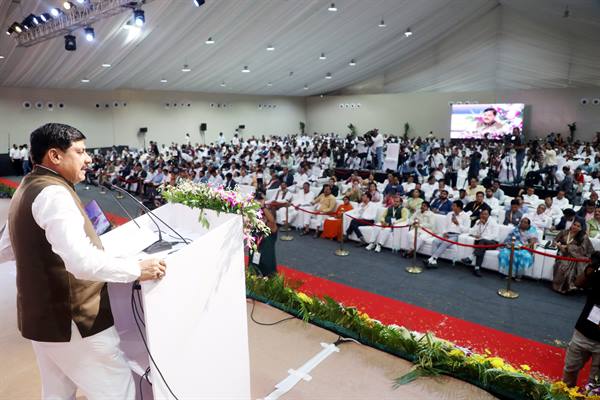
(355, 372)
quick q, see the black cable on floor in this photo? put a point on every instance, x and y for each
(137, 323)
(266, 323)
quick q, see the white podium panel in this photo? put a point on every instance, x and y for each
(195, 317)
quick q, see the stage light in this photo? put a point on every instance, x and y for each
(305, 87)
(80, 1)
(408, 33)
(90, 35)
(198, 3)
(270, 48)
(269, 84)
(245, 69)
(55, 12)
(30, 21)
(67, 5)
(328, 76)
(352, 62)
(382, 24)
(85, 80)
(139, 17)
(332, 7)
(210, 41)
(163, 80)
(106, 65)
(1, 57)
(14, 28)
(186, 68)
(223, 84)
(45, 17)
(70, 43)
(322, 57)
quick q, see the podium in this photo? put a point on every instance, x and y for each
(194, 319)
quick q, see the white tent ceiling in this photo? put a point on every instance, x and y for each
(457, 45)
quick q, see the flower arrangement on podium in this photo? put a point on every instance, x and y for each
(205, 197)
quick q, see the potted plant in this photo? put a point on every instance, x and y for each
(302, 127)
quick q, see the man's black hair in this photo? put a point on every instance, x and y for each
(50, 136)
(492, 109)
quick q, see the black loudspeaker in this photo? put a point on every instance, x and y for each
(203, 126)
(70, 43)
(242, 127)
(143, 130)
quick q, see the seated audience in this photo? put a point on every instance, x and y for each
(574, 243)
(485, 232)
(455, 223)
(514, 215)
(476, 206)
(424, 218)
(524, 235)
(332, 226)
(393, 215)
(365, 216)
(441, 205)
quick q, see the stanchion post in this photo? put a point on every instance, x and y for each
(341, 252)
(286, 237)
(508, 293)
(286, 225)
(414, 268)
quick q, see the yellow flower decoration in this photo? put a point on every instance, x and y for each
(496, 362)
(304, 298)
(525, 367)
(456, 353)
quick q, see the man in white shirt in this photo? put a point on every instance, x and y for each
(301, 177)
(455, 223)
(15, 158)
(364, 215)
(303, 200)
(425, 218)
(378, 145)
(281, 202)
(552, 211)
(25, 159)
(67, 314)
(560, 200)
(530, 198)
(490, 200)
(485, 232)
(539, 219)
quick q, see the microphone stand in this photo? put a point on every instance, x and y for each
(161, 244)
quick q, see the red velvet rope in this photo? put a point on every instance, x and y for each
(583, 260)
(476, 246)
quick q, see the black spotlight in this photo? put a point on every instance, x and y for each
(139, 18)
(30, 21)
(70, 43)
(198, 3)
(45, 17)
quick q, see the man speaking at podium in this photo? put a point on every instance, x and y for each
(62, 270)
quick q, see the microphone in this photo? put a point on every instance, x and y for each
(160, 244)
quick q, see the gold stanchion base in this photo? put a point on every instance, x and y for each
(286, 238)
(414, 269)
(285, 229)
(103, 192)
(508, 294)
(342, 252)
(120, 196)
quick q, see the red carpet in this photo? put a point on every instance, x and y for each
(541, 357)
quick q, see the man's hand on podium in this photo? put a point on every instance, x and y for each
(152, 268)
